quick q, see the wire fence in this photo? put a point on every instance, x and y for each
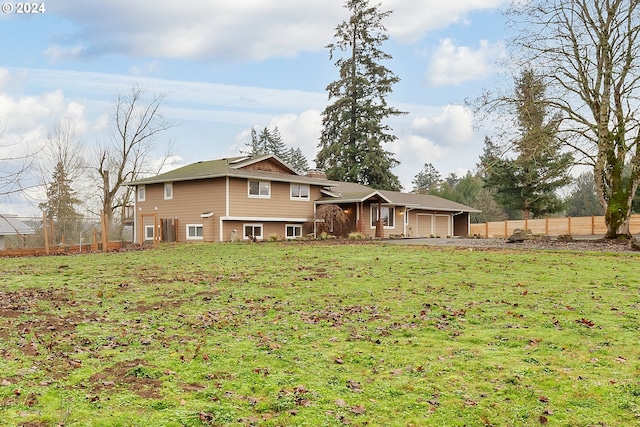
(67, 234)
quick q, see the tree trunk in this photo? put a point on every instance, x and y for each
(617, 216)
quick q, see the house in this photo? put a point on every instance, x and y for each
(10, 225)
(255, 197)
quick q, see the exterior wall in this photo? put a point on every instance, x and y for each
(190, 200)
(278, 205)
(269, 228)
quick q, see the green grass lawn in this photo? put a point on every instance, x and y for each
(300, 334)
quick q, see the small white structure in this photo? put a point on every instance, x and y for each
(10, 225)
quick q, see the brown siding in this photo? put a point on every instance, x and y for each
(279, 205)
(268, 229)
(190, 200)
(268, 166)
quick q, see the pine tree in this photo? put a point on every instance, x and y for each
(426, 180)
(61, 201)
(297, 160)
(274, 143)
(353, 135)
(270, 142)
(529, 181)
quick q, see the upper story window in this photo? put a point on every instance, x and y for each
(141, 193)
(299, 192)
(387, 213)
(259, 189)
(168, 190)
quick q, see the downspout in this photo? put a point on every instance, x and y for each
(315, 226)
(226, 208)
(135, 217)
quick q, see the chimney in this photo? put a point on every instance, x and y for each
(316, 173)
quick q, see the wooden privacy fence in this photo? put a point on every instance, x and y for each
(578, 226)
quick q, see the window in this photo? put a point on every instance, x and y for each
(259, 189)
(293, 231)
(252, 231)
(168, 190)
(148, 232)
(299, 192)
(387, 215)
(141, 193)
(195, 231)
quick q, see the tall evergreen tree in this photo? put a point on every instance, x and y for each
(583, 199)
(296, 159)
(61, 201)
(353, 135)
(270, 142)
(427, 180)
(529, 181)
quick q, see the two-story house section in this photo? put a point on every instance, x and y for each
(226, 199)
(247, 197)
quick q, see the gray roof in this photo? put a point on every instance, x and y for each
(347, 192)
(232, 167)
(10, 225)
(334, 191)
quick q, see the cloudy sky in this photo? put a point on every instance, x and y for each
(227, 65)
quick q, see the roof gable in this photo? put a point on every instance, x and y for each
(266, 163)
(265, 167)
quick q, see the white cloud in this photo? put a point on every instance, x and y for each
(411, 19)
(301, 131)
(232, 29)
(453, 125)
(454, 65)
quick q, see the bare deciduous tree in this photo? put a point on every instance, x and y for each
(136, 121)
(15, 165)
(62, 148)
(588, 52)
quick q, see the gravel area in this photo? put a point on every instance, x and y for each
(578, 244)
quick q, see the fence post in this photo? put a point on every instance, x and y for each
(506, 232)
(593, 225)
(546, 226)
(486, 229)
(569, 225)
(104, 218)
(46, 237)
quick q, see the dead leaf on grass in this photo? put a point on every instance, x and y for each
(358, 409)
(354, 386)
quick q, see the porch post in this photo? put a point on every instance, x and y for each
(379, 226)
(360, 219)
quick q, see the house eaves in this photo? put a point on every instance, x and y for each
(427, 202)
(351, 197)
